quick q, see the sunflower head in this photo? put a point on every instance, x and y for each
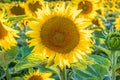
(60, 35)
(88, 8)
(36, 75)
(98, 23)
(16, 9)
(112, 6)
(2, 8)
(32, 6)
(7, 35)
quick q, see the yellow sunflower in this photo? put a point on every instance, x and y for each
(22, 24)
(88, 7)
(101, 9)
(60, 34)
(96, 22)
(15, 9)
(112, 6)
(32, 6)
(38, 76)
(2, 8)
(117, 26)
(7, 35)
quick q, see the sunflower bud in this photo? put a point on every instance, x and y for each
(113, 41)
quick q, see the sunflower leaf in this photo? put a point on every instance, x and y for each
(29, 61)
(8, 56)
(94, 71)
(13, 18)
(101, 60)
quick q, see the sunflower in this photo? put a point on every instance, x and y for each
(101, 8)
(38, 76)
(32, 6)
(96, 22)
(2, 8)
(7, 35)
(15, 9)
(88, 8)
(112, 6)
(117, 26)
(22, 24)
(60, 34)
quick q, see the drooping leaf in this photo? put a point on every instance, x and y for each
(101, 60)
(13, 18)
(29, 61)
(94, 71)
(8, 56)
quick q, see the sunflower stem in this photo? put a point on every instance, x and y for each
(8, 76)
(113, 64)
(64, 76)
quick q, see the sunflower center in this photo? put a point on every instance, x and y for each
(58, 37)
(59, 34)
(86, 7)
(35, 6)
(17, 10)
(96, 22)
(35, 77)
(3, 31)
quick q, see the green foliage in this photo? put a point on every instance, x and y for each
(29, 61)
(8, 56)
(14, 18)
(95, 71)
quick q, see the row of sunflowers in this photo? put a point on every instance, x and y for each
(60, 40)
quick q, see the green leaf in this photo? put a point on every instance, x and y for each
(8, 56)
(103, 49)
(101, 60)
(17, 78)
(94, 71)
(29, 61)
(13, 18)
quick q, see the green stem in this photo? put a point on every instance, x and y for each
(113, 64)
(64, 76)
(8, 76)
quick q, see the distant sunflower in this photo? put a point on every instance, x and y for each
(22, 24)
(2, 8)
(112, 6)
(88, 8)
(96, 22)
(7, 35)
(32, 6)
(60, 34)
(117, 26)
(38, 76)
(101, 10)
(15, 9)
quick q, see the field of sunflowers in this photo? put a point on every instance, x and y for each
(59, 39)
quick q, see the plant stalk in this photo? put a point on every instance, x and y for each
(113, 64)
(64, 75)
(8, 76)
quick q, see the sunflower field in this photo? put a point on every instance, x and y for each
(59, 39)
